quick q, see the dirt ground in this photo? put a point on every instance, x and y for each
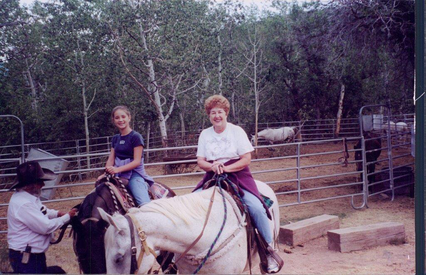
(313, 257)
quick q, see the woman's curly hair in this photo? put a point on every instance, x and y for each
(217, 101)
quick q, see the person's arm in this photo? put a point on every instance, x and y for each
(205, 165)
(242, 163)
(40, 223)
(110, 162)
(219, 168)
(72, 213)
(137, 157)
(111, 158)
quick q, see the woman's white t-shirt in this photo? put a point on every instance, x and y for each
(230, 144)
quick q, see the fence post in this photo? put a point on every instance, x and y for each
(298, 172)
(390, 159)
(77, 148)
(148, 134)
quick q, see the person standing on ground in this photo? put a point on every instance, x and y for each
(30, 224)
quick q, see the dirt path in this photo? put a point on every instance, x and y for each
(315, 258)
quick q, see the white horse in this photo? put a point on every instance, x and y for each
(391, 125)
(173, 224)
(399, 129)
(274, 135)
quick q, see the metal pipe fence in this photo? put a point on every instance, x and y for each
(301, 172)
(319, 129)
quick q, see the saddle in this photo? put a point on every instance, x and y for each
(253, 236)
(118, 186)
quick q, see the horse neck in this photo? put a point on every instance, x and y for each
(106, 202)
(158, 228)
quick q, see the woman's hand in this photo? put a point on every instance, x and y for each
(218, 167)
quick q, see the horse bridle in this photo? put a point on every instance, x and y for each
(134, 266)
(117, 201)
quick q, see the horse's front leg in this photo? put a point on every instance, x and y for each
(165, 260)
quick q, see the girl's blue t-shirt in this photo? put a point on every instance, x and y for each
(124, 145)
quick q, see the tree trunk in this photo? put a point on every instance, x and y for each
(182, 125)
(34, 101)
(86, 126)
(339, 112)
(219, 60)
(152, 88)
(256, 98)
(83, 95)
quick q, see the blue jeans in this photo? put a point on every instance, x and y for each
(35, 265)
(139, 189)
(257, 213)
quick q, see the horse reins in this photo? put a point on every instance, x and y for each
(345, 157)
(202, 231)
(221, 228)
(248, 219)
(146, 249)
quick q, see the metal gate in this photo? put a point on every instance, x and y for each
(383, 134)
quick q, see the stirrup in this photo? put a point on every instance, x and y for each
(276, 258)
(273, 266)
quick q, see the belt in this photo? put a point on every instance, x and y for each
(17, 251)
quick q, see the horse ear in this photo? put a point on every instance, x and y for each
(108, 218)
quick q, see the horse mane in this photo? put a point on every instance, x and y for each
(180, 208)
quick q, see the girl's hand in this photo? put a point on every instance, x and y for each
(112, 170)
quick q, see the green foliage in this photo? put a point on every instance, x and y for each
(57, 51)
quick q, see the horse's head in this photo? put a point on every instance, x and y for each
(118, 246)
(373, 146)
(89, 230)
(89, 246)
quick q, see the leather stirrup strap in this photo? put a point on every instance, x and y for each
(249, 228)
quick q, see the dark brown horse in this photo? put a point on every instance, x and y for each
(373, 147)
(89, 228)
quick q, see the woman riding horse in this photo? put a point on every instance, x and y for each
(225, 148)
